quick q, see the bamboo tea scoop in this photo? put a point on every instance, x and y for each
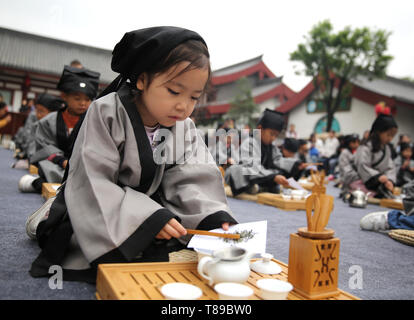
(214, 234)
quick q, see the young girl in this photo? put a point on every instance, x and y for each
(122, 203)
(347, 171)
(373, 159)
(405, 165)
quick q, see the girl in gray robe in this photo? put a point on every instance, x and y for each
(373, 159)
(122, 201)
(347, 169)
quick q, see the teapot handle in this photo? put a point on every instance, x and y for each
(200, 267)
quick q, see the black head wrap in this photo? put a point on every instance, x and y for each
(272, 119)
(50, 102)
(291, 144)
(140, 49)
(79, 80)
(383, 123)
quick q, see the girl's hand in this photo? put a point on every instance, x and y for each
(173, 229)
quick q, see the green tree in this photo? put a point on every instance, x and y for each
(335, 59)
(243, 106)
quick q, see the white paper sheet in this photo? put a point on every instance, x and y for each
(55, 187)
(255, 245)
(294, 184)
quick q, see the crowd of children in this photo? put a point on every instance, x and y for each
(121, 200)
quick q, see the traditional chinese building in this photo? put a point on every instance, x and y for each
(268, 90)
(356, 113)
(32, 64)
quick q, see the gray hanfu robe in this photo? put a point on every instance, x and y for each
(371, 165)
(347, 169)
(51, 138)
(259, 164)
(119, 194)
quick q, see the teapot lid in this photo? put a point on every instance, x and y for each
(230, 253)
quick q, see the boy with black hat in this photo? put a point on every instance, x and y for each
(270, 169)
(53, 139)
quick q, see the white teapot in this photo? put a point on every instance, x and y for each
(231, 264)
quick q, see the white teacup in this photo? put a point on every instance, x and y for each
(181, 291)
(273, 289)
(233, 291)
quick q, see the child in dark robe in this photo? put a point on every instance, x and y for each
(262, 166)
(53, 138)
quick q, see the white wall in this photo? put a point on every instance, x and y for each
(17, 100)
(359, 119)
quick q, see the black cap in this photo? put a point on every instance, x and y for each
(50, 102)
(272, 119)
(291, 144)
(79, 80)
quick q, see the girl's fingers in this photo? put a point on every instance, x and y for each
(172, 232)
(178, 227)
(163, 235)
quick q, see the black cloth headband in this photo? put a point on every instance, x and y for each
(140, 49)
(79, 80)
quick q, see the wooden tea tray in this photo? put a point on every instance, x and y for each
(143, 281)
(277, 200)
(391, 203)
(49, 190)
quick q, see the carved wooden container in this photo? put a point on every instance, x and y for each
(313, 266)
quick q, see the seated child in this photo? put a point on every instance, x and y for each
(290, 147)
(53, 139)
(404, 165)
(373, 159)
(347, 171)
(122, 201)
(267, 168)
(24, 138)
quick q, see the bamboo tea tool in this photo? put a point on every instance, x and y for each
(313, 251)
(214, 234)
(318, 179)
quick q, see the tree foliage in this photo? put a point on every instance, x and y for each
(243, 106)
(335, 59)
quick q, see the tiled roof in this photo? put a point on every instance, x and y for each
(25, 51)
